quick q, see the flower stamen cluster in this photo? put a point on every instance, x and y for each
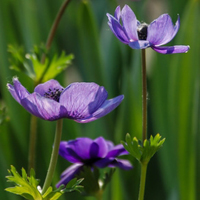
(53, 93)
(142, 31)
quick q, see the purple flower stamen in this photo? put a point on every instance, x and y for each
(142, 31)
(54, 94)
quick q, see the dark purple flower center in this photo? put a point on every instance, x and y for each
(53, 94)
(90, 162)
(142, 31)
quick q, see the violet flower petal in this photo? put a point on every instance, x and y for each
(129, 23)
(117, 29)
(110, 145)
(90, 153)
(118, 13)
(171, 49)
(105, 108)
(94, 150)
(82, 99)
(69, 174)
(67, 151)
(20, 90)
(104, 162)
(13, 92)
(43, 88)
(162, 30)
(140, 44)
(44, 108)
(117, 151)
(81, 146)
(114, 162)
(102, 147)
(121, 163)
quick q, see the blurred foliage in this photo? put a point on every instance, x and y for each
(95, 180)
(31, 63)
(28, 186)
(173, 97)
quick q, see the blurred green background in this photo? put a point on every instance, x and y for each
(173, 92)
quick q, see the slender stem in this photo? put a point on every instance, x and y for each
(54, 156)
(56, 22)
(144, 124)
(32, 142)
(144, 96)
(99, 194)
(52, 33)
(33, 126)
(142, 180)
(54, 27)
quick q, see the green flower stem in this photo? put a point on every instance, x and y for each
(54, 156)
(99, 195)
(33, 126)
(144, 124)
(53, 30)
(55, 24)
(32, 142)
(142, 180)
(144, 96)
(52, 33)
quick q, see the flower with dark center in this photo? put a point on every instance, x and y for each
(141, 35)
(81, 102)
(87, 152)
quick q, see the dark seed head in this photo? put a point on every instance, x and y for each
(53, 94)
(142, 31)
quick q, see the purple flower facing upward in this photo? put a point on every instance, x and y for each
(81, 102)
(141, 35)
(87, 152)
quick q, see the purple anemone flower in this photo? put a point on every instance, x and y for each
(87, 152)
(81, 102)
(141, 35)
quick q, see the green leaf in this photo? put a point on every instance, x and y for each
(74, 185)
(28, 187)
(143, 152)
(91, 181)
(151, 147)
(30, 63)
(107, 177)
(19, 62)
(25, 186)
(132, 146)
(52, 195)
(57, 65)
(39, 68)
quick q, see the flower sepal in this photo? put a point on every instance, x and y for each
(28, 186)
(95, 180)
(143, 152)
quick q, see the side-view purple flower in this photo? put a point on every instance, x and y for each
(82, 102)
(141, 35)
(87, 152)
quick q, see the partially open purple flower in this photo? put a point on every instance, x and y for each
(81, 102)
(141, 35)
(87, 152)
